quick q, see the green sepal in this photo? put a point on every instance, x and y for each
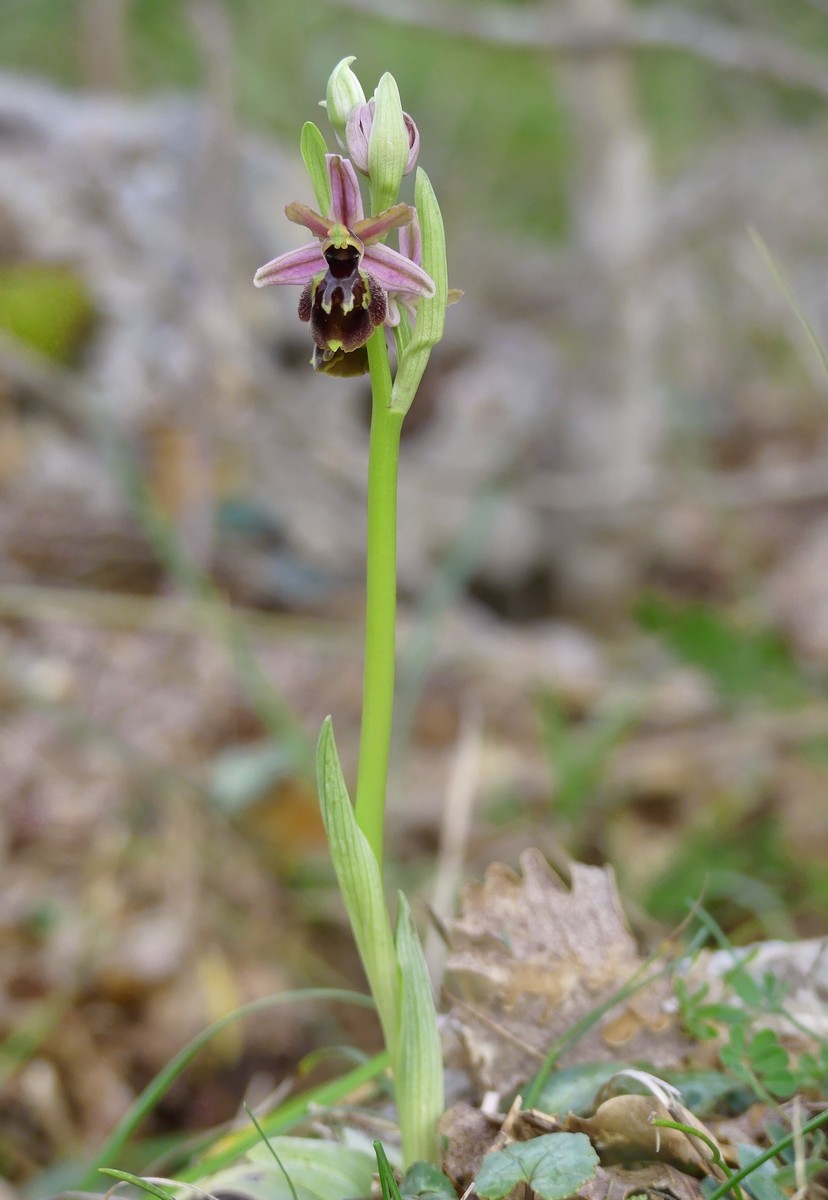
(387, 145)
(418, 1070)
(431, 311)
(360, 882)
(313, 149)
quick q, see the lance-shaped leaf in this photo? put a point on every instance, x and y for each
(313, 149)
(360, 882)
(431, 310)
(388, 1184)
(418, 1070)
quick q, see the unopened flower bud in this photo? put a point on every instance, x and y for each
(343, 94)
(358, 133)
(387, 144)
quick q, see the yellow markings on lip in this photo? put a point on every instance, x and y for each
(340, 237)
(345, 305)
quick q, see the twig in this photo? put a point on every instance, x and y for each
(461, 791)
(537, 28)
(164, 614)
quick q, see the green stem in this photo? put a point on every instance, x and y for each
(380, 600)
(771, 1152)
(692, 1131)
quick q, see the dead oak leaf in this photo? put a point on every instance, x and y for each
(468, 1134)
(656, 1181)
(529, 957)
(622, 1131)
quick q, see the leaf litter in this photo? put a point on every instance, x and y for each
(530, 959)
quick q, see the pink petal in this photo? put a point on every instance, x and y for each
(413, 144)
(297, 266)
(410, 241)
(374, 228)
(346, 201)
(395, 272)
(357, 132)
(300, 214)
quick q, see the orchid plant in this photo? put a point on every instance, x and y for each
(365, 304)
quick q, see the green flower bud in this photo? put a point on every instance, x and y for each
(358, 134)
(388, 144)
(343, 94)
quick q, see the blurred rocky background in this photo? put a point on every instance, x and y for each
(613, 522)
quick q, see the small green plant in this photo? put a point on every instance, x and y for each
(746, 665)
(358, 295)
(751, 1053)
(765, 1180)
(553, 1166)
(760, 1060)
(758, 1165)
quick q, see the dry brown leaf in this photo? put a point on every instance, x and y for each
(622, 1131)
(530, 957)
(656, 1181)
(469, 1134)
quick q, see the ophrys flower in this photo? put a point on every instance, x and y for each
(347, 272)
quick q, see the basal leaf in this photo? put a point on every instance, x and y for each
(258, 1181)
(361, 885)
(418, 1074)
(325, 1168)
